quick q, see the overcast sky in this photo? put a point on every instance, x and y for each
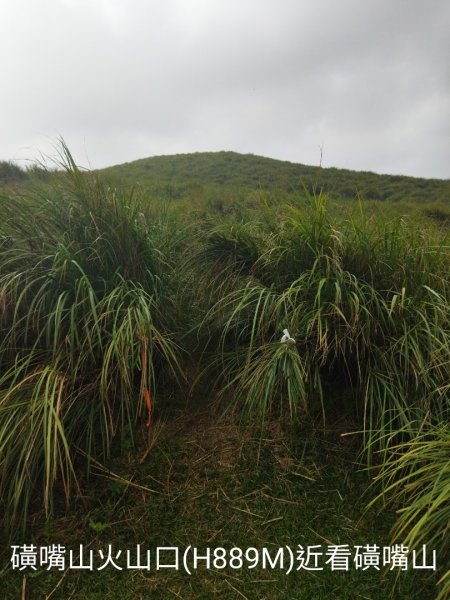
(365, 81)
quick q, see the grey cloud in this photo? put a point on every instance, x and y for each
(125, 79)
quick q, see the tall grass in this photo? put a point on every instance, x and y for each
(88, 329)
(365, 300)
(415, 476)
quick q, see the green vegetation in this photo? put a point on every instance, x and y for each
(182, 173)
(365, 301)
(215, 484)
(418, 471)
(209, 356)
(10, 172)
(86, 330)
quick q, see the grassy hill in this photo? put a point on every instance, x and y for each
(173, 176)
(229, 177)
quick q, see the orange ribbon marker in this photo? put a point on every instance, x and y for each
(149, 406)
(145, 390)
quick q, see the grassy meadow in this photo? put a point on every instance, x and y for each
(220, 350)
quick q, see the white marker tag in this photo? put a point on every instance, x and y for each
(287, 339)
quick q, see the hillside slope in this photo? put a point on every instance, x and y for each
(173, 174)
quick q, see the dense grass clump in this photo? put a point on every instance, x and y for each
(416, 476)
(365, 302)
(337, 316)
(87, 331)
